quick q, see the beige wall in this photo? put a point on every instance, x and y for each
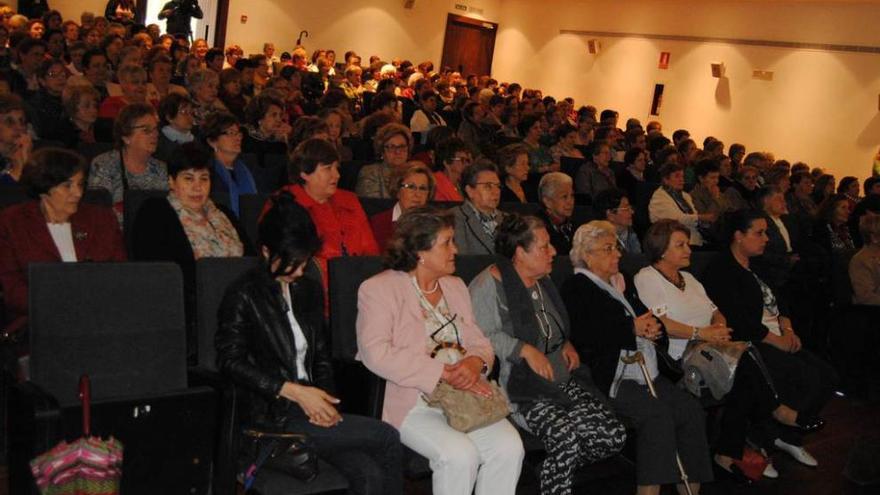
(821, 107)
(71, 9)
(374, 27)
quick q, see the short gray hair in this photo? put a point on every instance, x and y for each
(551, 183)
(202, 76)
(586, 237)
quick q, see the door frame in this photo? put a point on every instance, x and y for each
(479, 23)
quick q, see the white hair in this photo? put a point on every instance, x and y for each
(587, 237)
(551, 183)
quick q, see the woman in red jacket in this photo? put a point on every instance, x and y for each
(338, 215)
(55, 227)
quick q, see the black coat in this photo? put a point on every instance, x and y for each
(255, 345)
(774, 266)
(600, 326)
(738, 296)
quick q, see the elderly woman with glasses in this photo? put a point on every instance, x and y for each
(133, 83)
(556, 193)
(671, 201)
(477, 219)
(741, 196)
(610, 326)
(223, 134)
(614, 206)
(46, 107)
(131, 165)
(518, 307)
(451, 158)
(393, 143)
(413, 188)
(416, 329)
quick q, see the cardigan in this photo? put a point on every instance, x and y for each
(25, 239)
(391, 337)
(663, 206)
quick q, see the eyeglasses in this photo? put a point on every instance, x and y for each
(147, 129)
(12, 121)
(462, 160)
(607, 249)
(623, 209)
(489, 185)
(59, 73)
(185, 111)
(396, 148)
(415, 187)
(232, 133)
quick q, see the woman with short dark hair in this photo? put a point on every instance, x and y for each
(272, 340)
(477, 219)
(131, 165)
(831, 231)
(266, 131)
(519, 309)
(56, 226)
(513, 162)
(186, 225)
(223, 134)
(671, 201)
(613, 205)
(596, 175)
(416, 329)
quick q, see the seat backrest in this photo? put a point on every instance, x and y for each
(213, 277)
(221, 198)
(562, 269)
(131, 205)
(570, 166)
(121, 323)
(373, 206)
(345, 275)
(631, 263)
(348, 174)
(468, 266)
(521, 208)
(700, 260)
(250, 206)
(269, 174)
(91, 150)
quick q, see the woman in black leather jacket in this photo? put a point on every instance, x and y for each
(271, 342)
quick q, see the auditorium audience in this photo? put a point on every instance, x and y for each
(176, 119)
(628, 179)
(45, 108)
(418, 296)
(614, 206)
(291, 383)
(131, 164)
(55, 226)
(133, 86)
(672, 202)
(15, 141)
(519, 309)
(266, 131)
(450, 159)
(831, 231)
(596, 176)
(864, 267)
(755, 313)
(608, 324)
(392, 143)
(513, 163)
(203, 85)
(556, 193)
(477, 219)
(741, 196)
(413, 187)
(77, 123)
(223, 134)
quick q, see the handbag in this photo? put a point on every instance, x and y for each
(713, 365)
(526, 386)
(466, 411)
(752, 464)
(289, 453)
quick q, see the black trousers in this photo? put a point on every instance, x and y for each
(366, 451)
(804, 382)
(750, 400)
(673, 423)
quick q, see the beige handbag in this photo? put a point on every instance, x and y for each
(466, 411)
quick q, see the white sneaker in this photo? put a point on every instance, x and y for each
(770, 472)
(800, 454)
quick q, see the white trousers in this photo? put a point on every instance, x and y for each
(485, 461)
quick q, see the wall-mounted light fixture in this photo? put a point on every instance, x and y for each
(718, 69)
(594, 46)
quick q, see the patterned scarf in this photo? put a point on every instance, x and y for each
(489, 221)
(210, 233)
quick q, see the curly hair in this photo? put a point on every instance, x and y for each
(416, 231)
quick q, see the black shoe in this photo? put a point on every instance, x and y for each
(809, 424)
(735, 474)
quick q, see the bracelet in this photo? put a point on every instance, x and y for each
(695, 334)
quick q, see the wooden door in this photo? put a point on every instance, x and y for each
(469, 45)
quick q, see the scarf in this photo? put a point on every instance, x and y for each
(522, 314)
(210, 232)
(238, 181)
(489, 221)
(176, 136)
(678, 197)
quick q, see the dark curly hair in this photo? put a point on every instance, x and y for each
(49, 167)
(416, 231)
(516, 231)
(306, 157)
(287, 232)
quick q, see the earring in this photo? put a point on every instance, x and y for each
(421, 261)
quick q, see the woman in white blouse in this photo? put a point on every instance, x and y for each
(672, 202)
(679, 301)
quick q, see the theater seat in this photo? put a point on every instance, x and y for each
(250, 206)
(123, 325)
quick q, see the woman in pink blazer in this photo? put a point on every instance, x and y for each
(415, 328)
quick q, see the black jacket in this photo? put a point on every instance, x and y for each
(255, 345)
(600, 326)
(774, 266)
(181, 15)
(738, 296)
(47, 114)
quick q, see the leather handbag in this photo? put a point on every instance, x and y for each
(526, 386)
(466, 411)
(289, 453)
(712, 365)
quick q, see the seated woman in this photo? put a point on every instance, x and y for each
(393, 143)
(159, 68)
(80, 114)
(741, 196)
(451, 158)
(540, 158)
(266, 131)
(612, 205)
(186, 225)
(628, 179)
(131, 165)
(133, 83)
(426, 117)
(54, 227)
(566, 410)
(608, 325)
(706, 194)
(680, 302)
(513, 161)
(176, 119)
(15, 143)
(203, 85)
(596, 175)
(803, 381)
(230, 175)
(830, 231)
(292, 382)
(405, 315)
(864, 267)
(556, 194)
(566, 138)
(230, 92)
(335, 120)
(413, 188)
(477, 219)
(671, 201)
(338, 215)
(46, 107)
